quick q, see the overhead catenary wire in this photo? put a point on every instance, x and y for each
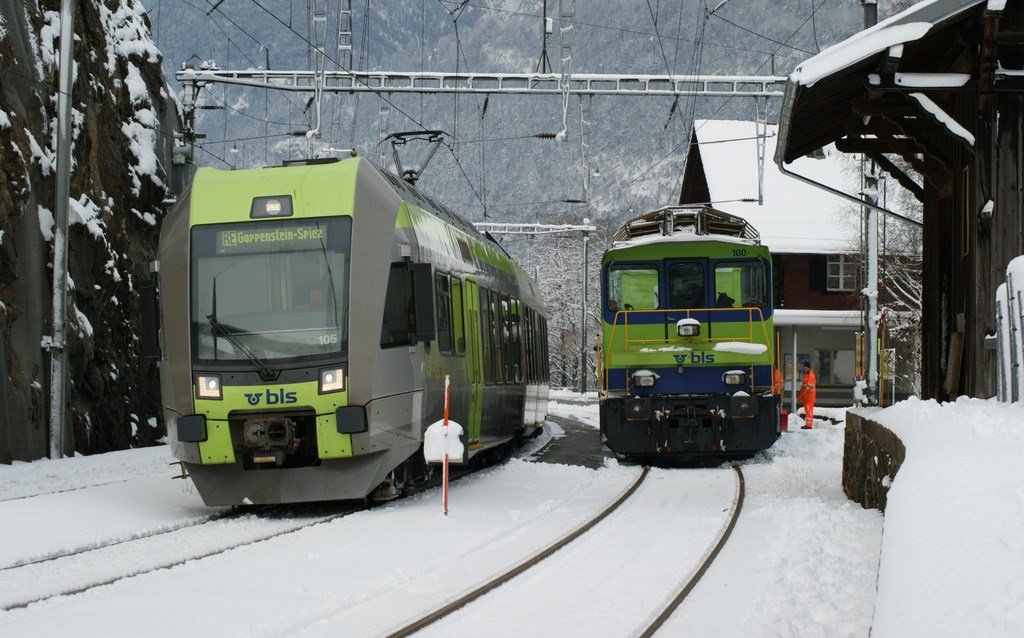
(593, 25)
(340, 66)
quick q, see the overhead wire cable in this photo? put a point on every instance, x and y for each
(355, 78)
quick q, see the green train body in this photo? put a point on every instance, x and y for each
(308, 317)
(667, 394)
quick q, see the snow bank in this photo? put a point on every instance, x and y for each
(953, 554)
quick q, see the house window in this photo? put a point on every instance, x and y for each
(835, 367)
(842, 273)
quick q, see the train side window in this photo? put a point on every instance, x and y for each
(517, 342)
(506, 339)
(399, 320)
(740, 284)
(632, 287)
(458, 326)
(497, 360)
(485, 336)
(528, 343)
(686, 285)
(443, 307)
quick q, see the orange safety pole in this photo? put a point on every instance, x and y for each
(444, 470)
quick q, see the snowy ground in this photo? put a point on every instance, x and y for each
(802, 560)
(953, 554)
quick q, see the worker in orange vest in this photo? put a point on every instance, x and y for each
(807, 395)
(776, 380)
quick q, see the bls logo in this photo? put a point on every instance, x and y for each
(273, 397)
(695, 357)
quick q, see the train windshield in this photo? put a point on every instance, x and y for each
(270, 291)
(740, 283)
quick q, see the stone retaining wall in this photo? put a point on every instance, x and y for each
(871, 457)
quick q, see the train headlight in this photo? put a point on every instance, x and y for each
(688, 327)
(734, 377)
(644, 378)
(208, 386)
(279, 206)
(332, 380)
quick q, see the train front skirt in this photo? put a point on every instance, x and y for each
(681, 428)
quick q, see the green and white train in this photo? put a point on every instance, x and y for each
(687, 349)
(308, 315)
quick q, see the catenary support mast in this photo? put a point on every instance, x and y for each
(57, 343)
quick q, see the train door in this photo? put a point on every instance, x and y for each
(474, 358)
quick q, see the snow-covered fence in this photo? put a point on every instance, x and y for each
(1010, 333)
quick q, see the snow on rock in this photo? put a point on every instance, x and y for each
(84, 211)
(127, 33)
(46, 223)
(137, 90)
(741, 347)
(944, 118)
(5, 121)
(47, 160)
(141, 134)
(47, 38)
(953, 554)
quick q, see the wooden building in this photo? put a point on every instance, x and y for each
(941, 86)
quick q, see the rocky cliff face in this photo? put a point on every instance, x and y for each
(124, 119)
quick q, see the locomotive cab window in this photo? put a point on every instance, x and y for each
(271, 291)
(686, 285)
(740, 284)
(632, 287)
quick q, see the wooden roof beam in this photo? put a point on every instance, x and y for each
(905, 180)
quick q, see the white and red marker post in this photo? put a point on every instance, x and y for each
(444, 466)
(442, 443)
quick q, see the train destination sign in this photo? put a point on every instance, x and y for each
(252, 240)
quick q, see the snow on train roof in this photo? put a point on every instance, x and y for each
(795, 217)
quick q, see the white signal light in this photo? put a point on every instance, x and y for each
(208, 386)
(332, 380)
(688, 327)
(734, 377)
(273, 207)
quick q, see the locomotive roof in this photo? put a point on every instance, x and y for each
(686, 223)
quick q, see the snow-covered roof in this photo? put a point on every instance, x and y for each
(903, 27)
(795, 217)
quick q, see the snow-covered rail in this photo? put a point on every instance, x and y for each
(81, 571)
(504, 577)
(703, 568)
(654, 621)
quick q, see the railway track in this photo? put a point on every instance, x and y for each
(73, 571)
(76, 572)
(645, 631)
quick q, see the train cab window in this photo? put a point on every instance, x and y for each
(443, 307)
(272, 290)
(399, 320)
(632, 287)
(458, 327)
(686, 285)
(740, 284)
